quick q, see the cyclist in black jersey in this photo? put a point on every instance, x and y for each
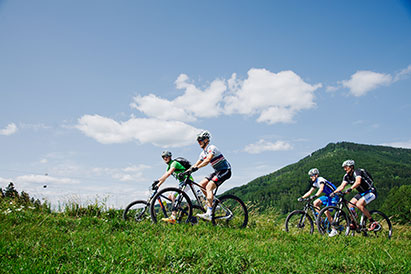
(359, 179)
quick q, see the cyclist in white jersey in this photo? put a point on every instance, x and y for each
(222, 170)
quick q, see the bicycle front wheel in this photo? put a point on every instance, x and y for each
(339, 221)
(299, 221)
(173, 203)
(229, 211)
(385, 229)
(136, 211)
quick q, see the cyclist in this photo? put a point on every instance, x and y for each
(359, 179)
(222, 169)
(174, 168)
(323, 186)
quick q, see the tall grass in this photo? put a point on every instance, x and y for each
(39, 242)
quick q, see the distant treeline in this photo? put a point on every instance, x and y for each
(10, 194)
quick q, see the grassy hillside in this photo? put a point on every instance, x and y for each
(34, 241)
(390, 168)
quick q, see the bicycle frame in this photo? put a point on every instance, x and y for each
(344, 204)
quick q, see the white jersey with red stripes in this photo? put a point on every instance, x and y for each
(218, 162)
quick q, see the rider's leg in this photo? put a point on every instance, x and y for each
(361, 206)
(204, 183)
(317, 203)
(210, 193)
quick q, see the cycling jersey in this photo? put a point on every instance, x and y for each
(218, 162)
(328, 186)
(366, 184)
(178, 168)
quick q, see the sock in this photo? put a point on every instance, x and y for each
(209, 210)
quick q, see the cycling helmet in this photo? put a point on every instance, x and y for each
(166, 153)
(203, 135)
(348, 163)
(313, 171)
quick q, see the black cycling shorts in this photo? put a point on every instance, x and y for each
(218, 177)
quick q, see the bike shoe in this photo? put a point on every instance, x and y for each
(375, 226)
(169, 220)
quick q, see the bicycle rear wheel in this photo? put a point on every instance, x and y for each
(298, 222)
(170, 202)
(339, 221)
(229, 211)
(136, 211)
(385, 223)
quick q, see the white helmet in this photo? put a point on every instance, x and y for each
(203, 135)
(313, 171)
(348, 163)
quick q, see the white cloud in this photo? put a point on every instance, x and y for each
(5, 182)
(194, 103)
(44, 179)
(403, 74)
(131, 173)
(157, 132)
(363, 81)
(275, 97)
(406, 144)
(9, 129)
(264, 146)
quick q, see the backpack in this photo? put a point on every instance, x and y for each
(184, 162)
(367, 176)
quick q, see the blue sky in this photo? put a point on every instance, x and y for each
(91, 92)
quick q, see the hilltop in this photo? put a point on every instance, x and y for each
(390, 168)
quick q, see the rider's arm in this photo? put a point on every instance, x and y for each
(341, 187)
(357, 182)
(165, 176)
(204, 162)
(320, 190)
(306, 195)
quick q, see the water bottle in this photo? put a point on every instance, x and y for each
(353, 212)
(201, 197)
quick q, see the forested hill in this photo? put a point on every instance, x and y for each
(390, 168)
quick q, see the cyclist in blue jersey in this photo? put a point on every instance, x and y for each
(222, 169)
(361, 180)
(323, 186)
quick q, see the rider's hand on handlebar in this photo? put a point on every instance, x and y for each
(312, 197)
(300, 199)
(193, 169)
(347, 191)
(154, 186)
(332, 195)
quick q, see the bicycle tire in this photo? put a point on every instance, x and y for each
(340, 220)
(295, 222)
(229, 211)
(184, 208)
(383, 220)
(136, 210)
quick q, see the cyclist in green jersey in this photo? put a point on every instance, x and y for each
(174, 168)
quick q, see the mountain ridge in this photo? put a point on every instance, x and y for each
(389, 166)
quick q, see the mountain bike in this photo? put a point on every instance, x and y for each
(228, 210)
(300, 221)
(342, 216)
(139, 210)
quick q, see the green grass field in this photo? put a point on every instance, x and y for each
(35, 242)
